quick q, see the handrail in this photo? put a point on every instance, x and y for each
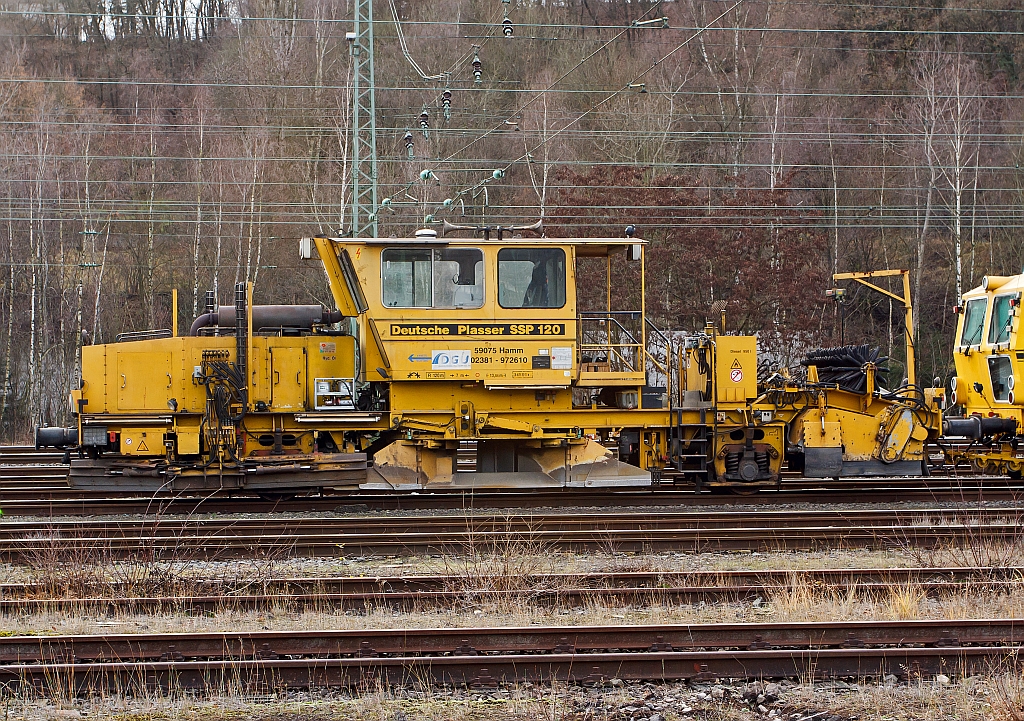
(603, 313)
(619, 326)
(637, 359)
(143, 335)
(656, 330)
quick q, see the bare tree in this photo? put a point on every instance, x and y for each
(923, 119)
(957, 153)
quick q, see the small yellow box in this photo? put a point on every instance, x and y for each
(188, 443)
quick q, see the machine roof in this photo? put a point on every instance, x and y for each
(586, 247)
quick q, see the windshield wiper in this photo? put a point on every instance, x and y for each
(975, 337)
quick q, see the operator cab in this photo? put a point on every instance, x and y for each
(503, 313)
(989, 355)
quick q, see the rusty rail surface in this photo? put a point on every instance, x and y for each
(223, 537)
(424, 591)
(488, 656)
(33, 497)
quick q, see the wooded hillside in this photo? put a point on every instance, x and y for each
(156, 144)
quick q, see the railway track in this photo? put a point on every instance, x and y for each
(700, 530)
(489, 656)
(32, 497)
(423, 591)
(35, 483)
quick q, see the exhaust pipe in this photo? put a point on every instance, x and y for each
(267, 316)
(56, 437)
(976, 427)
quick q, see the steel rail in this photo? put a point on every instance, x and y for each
(542, 520)
(422, 600)
(30, 499)
(488, 656)
(485, 640)
(491, 671)
(692, 530)
(600, 580)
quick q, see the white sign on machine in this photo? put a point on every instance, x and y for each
(450, 360)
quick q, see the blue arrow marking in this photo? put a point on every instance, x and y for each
(419, 358)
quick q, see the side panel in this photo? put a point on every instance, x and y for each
(142, 442)
(144, 380)
(288, 379)
(94, 380)
(736, 368)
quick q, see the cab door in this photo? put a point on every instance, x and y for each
(288, 379)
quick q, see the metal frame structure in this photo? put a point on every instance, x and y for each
(364, 124)
(903, 300)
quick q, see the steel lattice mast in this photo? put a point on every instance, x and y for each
(364, 124)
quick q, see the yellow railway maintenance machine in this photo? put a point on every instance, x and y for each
(989, 357)
(450, 363)
(842, 421)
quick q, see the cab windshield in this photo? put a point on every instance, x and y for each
(999, 325)
(974, 321)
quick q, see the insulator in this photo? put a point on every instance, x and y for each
(478, 70)
(446, 103)
(506, 27)
(425, 124)
(408, 144)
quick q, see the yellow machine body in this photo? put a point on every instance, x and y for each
(989, 358)
(459, 363)
(840, 433)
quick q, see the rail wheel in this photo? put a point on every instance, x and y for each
(744, 490)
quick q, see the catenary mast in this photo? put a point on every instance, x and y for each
(364, 124)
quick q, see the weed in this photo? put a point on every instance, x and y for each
(904, 601)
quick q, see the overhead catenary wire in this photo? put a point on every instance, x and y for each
(405, 47)
(587, 112)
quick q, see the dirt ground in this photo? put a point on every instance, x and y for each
(994, 698)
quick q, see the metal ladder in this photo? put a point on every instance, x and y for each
(690, 462)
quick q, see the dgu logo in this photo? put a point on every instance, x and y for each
(450, 360)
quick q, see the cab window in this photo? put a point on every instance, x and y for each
(999, 371)
(974, 321)
(531, 277)
(999, 325)
(432, 277)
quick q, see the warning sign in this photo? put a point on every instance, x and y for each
(142, 446)
(736, 372)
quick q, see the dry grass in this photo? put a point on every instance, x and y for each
(501, 577)
(971, 545)
(1008, 696)
(797, 601)
(904, 602)
(992, 698)
(68, 567)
